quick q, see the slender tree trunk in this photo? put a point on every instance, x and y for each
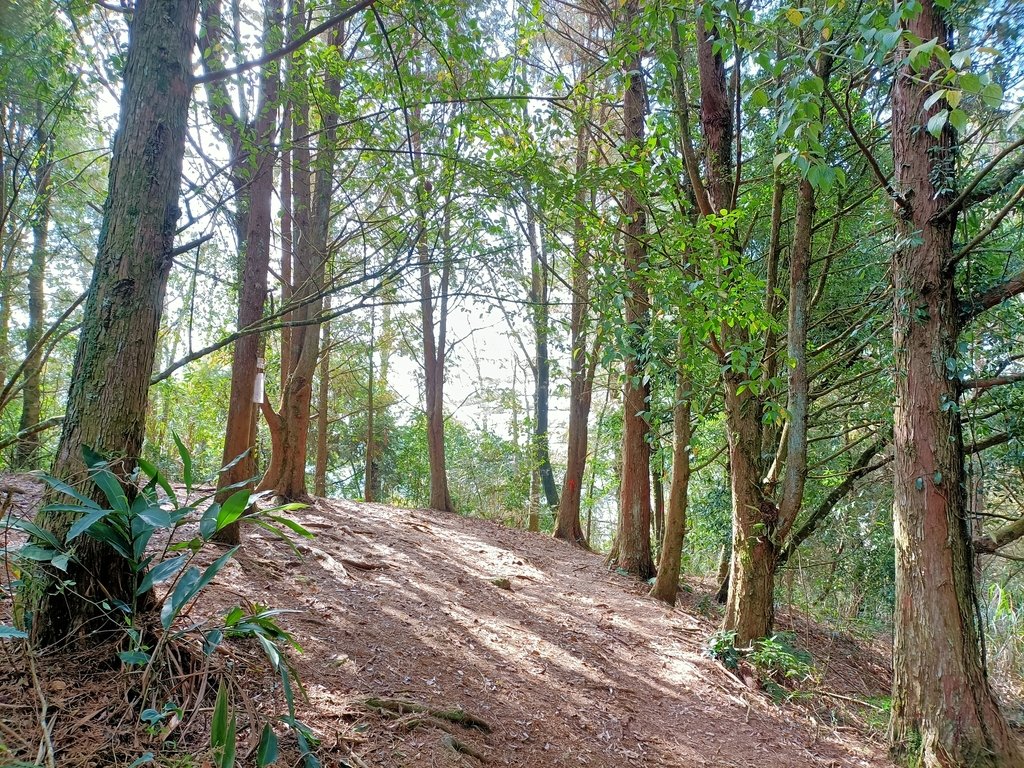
(312, 225)
(434, 349)
(370, 467)
(107, 400)
(634, 555)
(252, 162)
(31, 394)
(323, 413)
(658, 493)
(724, 568)
(666, 584)
(942, 702)
(542, 381)
(581, 374)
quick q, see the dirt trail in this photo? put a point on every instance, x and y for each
(571, 665)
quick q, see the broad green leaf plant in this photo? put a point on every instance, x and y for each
(162, 535)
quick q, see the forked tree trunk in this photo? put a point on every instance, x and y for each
(634, 537)
(106, 407)
(750, 606)
(312, 216)
(942, 702)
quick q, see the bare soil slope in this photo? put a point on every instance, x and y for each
(571, 665)
(568, 663)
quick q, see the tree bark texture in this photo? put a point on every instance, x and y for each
(942, 704)
(252, 167)
(666, 585)
(312, 216)
(581, 375)
(107, 399)
(634, 555)
(750, 606)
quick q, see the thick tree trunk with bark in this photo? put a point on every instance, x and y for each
(750, 606)
(106, 406)
(634, 537)
(942, 702)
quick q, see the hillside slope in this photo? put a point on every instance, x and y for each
(570, 664)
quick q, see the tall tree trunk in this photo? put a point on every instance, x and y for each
(942, 702)
(312, 226)
(634, 538)
(370, 465)
(323, 412)
(252, 163)
(31, 394)
(542, 380)
(750, 607)
(107, 399)
(666, 584)
(581, 374)
(434, 349)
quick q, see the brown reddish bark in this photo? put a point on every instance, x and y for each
(568, 525)
(942, 703)
(107, 399)
(252, 170)
(750, 605)
(312, 216)
(634, 529)
(666, 585)
(581, 374)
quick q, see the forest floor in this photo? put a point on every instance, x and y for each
(566, 662)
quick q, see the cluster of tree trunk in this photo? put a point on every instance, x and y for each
(943, 704)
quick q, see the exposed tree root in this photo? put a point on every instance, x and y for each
(461, 747)
(395, 708)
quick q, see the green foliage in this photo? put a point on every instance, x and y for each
(139, 521)
(780, 659)
(722, 647)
